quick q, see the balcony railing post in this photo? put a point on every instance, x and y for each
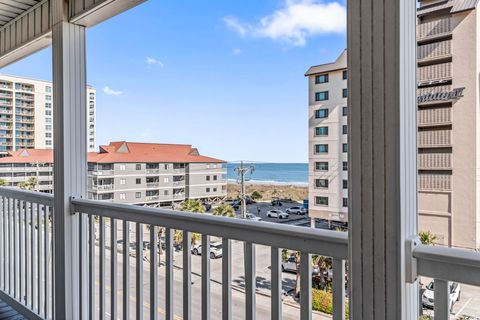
(382, 157)
(70, 152)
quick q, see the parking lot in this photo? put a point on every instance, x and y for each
(260, 210)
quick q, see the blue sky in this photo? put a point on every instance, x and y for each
(225, 76)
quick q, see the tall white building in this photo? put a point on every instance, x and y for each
(327, 136)
(26, 114)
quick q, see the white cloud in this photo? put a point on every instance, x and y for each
(295, 22)
(154, 61)
(236, 52)
(111, 92)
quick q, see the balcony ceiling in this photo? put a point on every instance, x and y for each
(10, 9)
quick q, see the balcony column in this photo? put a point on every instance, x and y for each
(382, 157)
(70, 156)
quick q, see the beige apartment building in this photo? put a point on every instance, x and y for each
(448, 60)
(327, 136)
(26, 114)
(129, 172)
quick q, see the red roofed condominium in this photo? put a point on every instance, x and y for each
(121, 152)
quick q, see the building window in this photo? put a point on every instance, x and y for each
(322, 78)
(48, 127)
(138, 166)
(48, 120)
(214, 189)
(321, 148)
(48, 142)
(345, 184)
(122, 196)
(165, 180)
(321, 166)
(123, 181)
(321, 96)
(48, 98)
(48, 134)
(321, 183)
(345, 147)
(344, 75)
(208, 189)
(138, 195)
(321, 131)
(166, 166)
(208, 178)
(345, 202)
(321, 201)
(122, 167)
(345, 111)
(48, 89)
(345, 129)
(48, 112)
(165, 192)
(321, 113)
(345, 166)
(344, 93)
(214, 178)
(138, 181)
(48, 105)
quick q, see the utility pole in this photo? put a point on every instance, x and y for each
(241, 172)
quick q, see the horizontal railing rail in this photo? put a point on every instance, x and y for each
(446, 265)
(133, 220)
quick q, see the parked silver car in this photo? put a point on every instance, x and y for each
(215, 250)
(277, 214)
(291, 266)
(296, 210)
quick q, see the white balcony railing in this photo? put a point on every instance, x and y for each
(153, 184)
(152, 171)
(26, 260)
(102, 187)
(178, 183)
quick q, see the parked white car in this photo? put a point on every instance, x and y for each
(251, 216)
(291, 266)
(296, 210)
(277, 214)
(428, 296)
(215, 250)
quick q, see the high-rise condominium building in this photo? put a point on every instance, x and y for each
(448, 58)
(26, 114)
(127, 172)
(327, 135)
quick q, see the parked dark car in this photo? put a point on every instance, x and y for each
(276, 202)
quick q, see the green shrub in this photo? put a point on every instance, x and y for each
(323, 301)
(256, 195)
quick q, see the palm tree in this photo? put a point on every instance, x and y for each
(192, 205)
(224, 210)
(427, 238)
(3, 182)
(30, 184)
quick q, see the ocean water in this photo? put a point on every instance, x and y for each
(281, 173)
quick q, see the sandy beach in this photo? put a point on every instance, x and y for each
(295, 192)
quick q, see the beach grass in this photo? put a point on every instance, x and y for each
(296, 193)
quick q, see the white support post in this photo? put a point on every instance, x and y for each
(70, 159)
(382, 157)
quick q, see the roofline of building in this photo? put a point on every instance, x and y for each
(325, 66)
(39, 80)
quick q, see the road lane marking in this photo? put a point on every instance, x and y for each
(462, 308)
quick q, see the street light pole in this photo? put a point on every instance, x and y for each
(241, 172)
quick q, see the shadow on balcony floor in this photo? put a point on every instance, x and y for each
(8, 313)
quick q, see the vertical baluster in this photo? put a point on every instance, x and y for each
(21, 253)
(2, 244)
(101, 271)
(338, 289)
(34, 257)
(187, 276)
(29, 256)
(139, 271)
(39, 259)
(276, 275)
(113, 269)
(305, 287)
(250, 280)
(25, 252)
(442, 299)
(15, 250)
(10, 247)
(91, 267)
(46, 211)
(226, 279)
(205, 277)
(153, 272)
(169, 274)
(126, 270)
(83, 247)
